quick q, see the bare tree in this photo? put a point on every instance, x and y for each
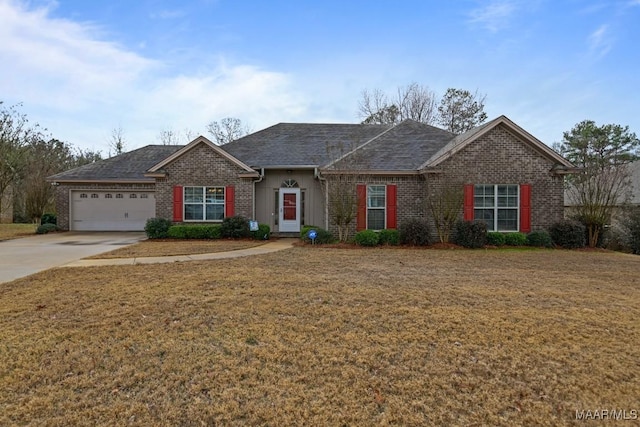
(417, 103)
(169, 137)
(414, 101)
(444, 201)
(375, 108)
(342, 176)
(189, 135)
(45, 158)
(461, 110)
(117, 140)
(227, 130)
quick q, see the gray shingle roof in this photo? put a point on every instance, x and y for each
(402, 148)
(408, 146)
(299, 144)
(126, 166)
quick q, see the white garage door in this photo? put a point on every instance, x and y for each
(111, 210)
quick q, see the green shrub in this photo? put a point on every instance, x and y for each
(235, 227)
(415, 232)
(263, 232)
(495, 238)
(46, 228)
(389, 237)
(322, 235)
(470, 234)
(366, 238)
(194, 231)
(540, 239)
(49, 218)
(568, 234)
(157, 228)
(515, 239)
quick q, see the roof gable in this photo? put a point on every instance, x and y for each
(464, 139)
(199, 140)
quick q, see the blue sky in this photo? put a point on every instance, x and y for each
(82, 68)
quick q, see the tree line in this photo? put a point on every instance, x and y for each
(457, 111)
(28, 154)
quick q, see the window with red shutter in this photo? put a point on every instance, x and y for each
(229, 201)
(177, 203)
(525, 208)
(468, 202)
(392, 207)
(361, 213)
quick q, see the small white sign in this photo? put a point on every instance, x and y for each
(253, 225)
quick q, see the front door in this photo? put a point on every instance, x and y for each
(289, 212)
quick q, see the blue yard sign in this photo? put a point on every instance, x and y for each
(312, 235)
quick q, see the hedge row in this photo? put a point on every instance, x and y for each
(234, 227)
(566, 233)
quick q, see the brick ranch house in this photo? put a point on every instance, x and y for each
(280, 175)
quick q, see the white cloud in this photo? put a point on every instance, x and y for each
(600, 42)
(60, 62)
(494, 16)
(79, 85)
(258, 97)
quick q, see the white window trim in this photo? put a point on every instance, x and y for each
(496, 208)
(383, 208)
(204, 203)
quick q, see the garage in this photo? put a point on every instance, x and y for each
(111, 210)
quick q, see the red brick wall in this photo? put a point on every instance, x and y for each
(202, 166)
(498, 157)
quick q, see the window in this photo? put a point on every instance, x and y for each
(94, 195)
(144, 196)
(108, 196)
(133, 196)
(289, 183)
(302, 207)
(376, 207)
(276, 206)
(119, 196)
(497, 206)
(203, 203)
(83, 195)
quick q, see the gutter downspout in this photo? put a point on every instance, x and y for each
(253, 198)
(316, 174)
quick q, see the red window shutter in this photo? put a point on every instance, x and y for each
(361, 217)
(392, 209)
(177, 203)
(229, 201)
(468, 202)
(525, 208)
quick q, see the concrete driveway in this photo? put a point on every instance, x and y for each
(28, 255)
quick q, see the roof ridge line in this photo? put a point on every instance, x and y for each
(360, 146)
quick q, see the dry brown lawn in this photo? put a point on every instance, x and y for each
(313, 336)
(152, 248)
(12, 231)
